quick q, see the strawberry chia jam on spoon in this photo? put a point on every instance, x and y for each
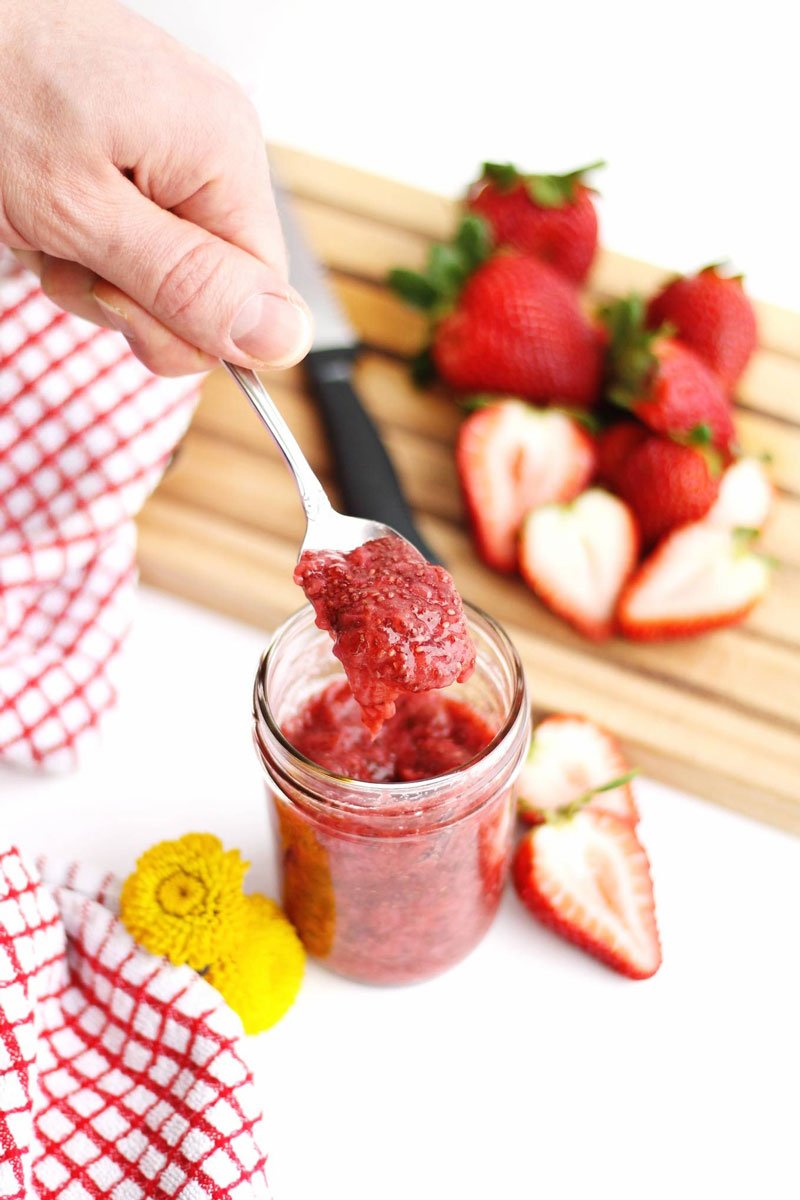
(396, 621)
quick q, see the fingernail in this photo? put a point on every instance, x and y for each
(116, 318)
(272, 329)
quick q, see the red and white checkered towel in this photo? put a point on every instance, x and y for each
(120, 1075)
(85, 434)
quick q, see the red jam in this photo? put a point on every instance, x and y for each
(396, 901)
(396, 620)
(428, 735)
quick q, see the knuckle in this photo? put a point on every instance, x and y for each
(198, 270)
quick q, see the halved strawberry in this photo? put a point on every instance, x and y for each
(570, 756)
(745, 496)
(577, 557)
(700, 577)
(588, 878)
(511, 457)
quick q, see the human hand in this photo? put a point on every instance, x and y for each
(134, 181)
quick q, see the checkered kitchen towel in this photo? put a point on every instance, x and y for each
(120, 1076)
(85, 434)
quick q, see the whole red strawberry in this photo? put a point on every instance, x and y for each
(550, 216)
(504, 322)
(518, 329)
(660, 380)
(667, 484)
(613, 446)
(710, 313)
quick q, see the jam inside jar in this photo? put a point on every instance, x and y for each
(391, 882)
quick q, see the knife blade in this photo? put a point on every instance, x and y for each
(366, 475)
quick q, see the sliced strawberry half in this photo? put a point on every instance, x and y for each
(577, 557)
(745, 496)
(511, 457)
(588, 878)
(570, 756)
(700, 577)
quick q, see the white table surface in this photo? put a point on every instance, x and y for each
(528, 1070)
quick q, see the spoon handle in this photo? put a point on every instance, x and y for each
(368, 481)
(312, 494)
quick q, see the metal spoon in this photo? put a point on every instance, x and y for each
(326, 529)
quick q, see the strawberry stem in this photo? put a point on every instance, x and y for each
(567, 811)
(470, 404)
(745, 535)
(700, 435)
(743, 538)
(630, 361)
(700, 439)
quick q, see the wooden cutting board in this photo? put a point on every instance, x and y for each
(719, 716)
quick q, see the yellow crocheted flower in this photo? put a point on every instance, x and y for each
(259, 971)
(185, 900)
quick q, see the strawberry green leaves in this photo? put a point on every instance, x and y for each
(547, 191)
(629, 359)
(412, 287)
(449, 265)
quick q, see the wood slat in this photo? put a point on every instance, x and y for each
(382, 319)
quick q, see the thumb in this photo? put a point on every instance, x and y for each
(208, 292)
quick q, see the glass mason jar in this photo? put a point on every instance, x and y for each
(391, 882)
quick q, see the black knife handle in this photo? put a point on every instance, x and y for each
(367, 479)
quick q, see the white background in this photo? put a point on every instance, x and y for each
(529, 1070)
(693, 104)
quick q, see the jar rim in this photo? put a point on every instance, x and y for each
(356, 788)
